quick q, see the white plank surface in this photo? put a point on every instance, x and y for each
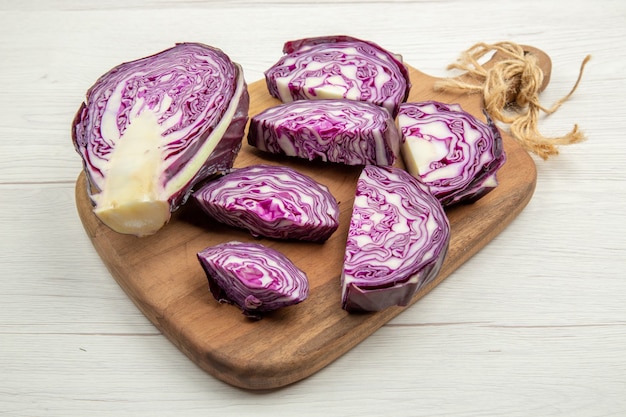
(534, 325)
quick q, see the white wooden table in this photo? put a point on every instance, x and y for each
(534, 325)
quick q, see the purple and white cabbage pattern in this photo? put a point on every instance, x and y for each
(254, 277)
(150, 129)
(453, 152)
(335, 130)
(339, 67)
(397, 240)
(271, 201)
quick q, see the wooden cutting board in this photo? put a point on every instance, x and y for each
(162, 276)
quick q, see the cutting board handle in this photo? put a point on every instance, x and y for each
(542, 61)
(504, 69)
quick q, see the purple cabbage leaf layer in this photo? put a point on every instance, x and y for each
(152, 128)
(453, 152)
(254, 277)
(397, 241)
(334, 130)
(273, 201)
(339, 67)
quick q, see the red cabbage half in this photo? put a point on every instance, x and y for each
(152, 128)
(453, 152)
(272, 201)
(339, 67)
(254, 277)
(397, 240)
(335, 130)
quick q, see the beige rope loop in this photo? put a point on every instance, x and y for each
(510, 88)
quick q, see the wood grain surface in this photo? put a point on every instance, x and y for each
(162, 276)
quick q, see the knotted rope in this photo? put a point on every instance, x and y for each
(510, 89)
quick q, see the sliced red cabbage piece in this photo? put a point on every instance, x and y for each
(150, 129)
(335, 130)
(252, 276)
(273, 201)
(339, 67)
(397, 240)
(453, 152)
